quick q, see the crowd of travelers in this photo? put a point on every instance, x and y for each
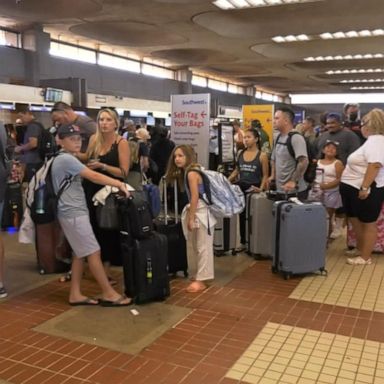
(346, 150)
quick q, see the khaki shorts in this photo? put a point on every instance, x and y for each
(80, 236)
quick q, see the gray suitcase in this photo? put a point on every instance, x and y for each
(299, 238)
(224, 237)
(259, 223)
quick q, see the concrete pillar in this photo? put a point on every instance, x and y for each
(184, 76)
(36, 44)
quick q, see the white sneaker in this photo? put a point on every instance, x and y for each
(352, 252)
(335, 233)
(359, 261)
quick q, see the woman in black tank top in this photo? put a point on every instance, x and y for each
(251, 172)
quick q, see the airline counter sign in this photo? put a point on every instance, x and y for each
(263, 113)
(190, 123)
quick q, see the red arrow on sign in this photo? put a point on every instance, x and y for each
(203, 114)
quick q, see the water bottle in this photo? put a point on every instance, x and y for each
(40, 199)
(149, 270)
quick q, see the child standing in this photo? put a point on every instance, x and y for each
(73, 216)
(329, 179)
(197, 221)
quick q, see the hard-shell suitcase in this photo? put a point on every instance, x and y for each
(224, 237)
(259, 223)
(145, 267)
(379, 245)
(13, 206)
(53, 251)
(299, 238)
(172, 229)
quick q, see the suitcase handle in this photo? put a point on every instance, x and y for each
(166, 201)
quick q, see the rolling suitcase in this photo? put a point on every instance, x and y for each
(259, 223)
(172, 229)
(224, 237)
(299, 238)
(54, 254)
(13, 206)
(145, 267)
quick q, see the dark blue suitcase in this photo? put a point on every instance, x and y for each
(299, 238)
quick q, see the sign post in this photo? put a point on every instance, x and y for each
(190, 123)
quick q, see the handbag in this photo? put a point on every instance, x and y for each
(107, 215)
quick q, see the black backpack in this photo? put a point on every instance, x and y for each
(46, 143)
(43, 208)
(310, 173)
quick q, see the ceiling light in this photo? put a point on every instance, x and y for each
(302, 37)
(278, 39)
(240, 4)
(348, 71)
(339, 35)
(346, 57)
(223, 4)
(290, 38)
(367, 88)
(362, 81)
(351, 34)
(326, 35)
(378, 32)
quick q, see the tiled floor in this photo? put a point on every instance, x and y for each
(257, 328)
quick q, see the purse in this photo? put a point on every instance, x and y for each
(107, 215)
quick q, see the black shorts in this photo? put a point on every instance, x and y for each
(368, 210)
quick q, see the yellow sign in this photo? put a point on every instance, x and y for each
(263, 113)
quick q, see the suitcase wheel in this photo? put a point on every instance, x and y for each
(234, 252)
(42, 271)
(323, 272)
(274, 269)
(186, 274)
(287, 275)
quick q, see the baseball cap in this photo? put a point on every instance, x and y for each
(67, 130)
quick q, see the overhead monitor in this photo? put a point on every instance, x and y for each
(52, 95)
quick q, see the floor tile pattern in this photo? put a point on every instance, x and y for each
(286, 354)
(348, 286)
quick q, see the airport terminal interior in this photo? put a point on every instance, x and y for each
(250, 325)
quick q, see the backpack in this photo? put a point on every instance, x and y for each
(223, 198)
(46, 143)
(310, 173)
(41, 198)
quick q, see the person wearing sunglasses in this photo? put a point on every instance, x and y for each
(362, 186)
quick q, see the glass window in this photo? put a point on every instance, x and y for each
(218, 85)
(199, 81)
(153, 70)
(118, 62)
(72, 52)
(10, 39)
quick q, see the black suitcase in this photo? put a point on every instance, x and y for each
(13, 206)
(145, 267)
(172, 229)
(135, 215)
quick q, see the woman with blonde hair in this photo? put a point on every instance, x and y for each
(109, 154)
(362, 186)
(196, 217)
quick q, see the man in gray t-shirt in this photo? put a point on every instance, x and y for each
(28, 150)
(346, 141)
(63, 114)
(288, 172)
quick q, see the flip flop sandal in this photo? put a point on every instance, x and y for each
(88, 301)
(115, 303)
